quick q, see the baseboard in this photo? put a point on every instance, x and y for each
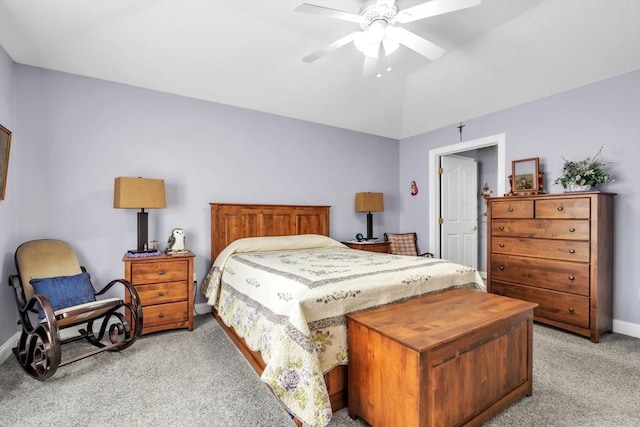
(5, 348)
(202, 308)
(626, 328)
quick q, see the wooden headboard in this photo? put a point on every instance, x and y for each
(230, 222)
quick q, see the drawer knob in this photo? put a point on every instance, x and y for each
(160, 294)
(501, 267)
(572, 251)
(161, 272)
(560, 208)
(501, 228)
(572, 310)
(501, 245)
(572, 230)
(510, 209)
(572, 278)
(161, 315)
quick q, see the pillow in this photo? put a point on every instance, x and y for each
(64, 291)
(403, 244)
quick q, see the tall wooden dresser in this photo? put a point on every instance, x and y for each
(555, 250)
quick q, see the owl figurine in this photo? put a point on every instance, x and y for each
(175, 244)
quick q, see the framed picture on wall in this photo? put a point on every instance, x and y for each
(526, 178)
(5, 145)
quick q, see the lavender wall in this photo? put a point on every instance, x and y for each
(572, 125)
(77, 134)
(8, 206)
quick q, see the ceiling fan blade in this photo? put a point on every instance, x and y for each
(420, 45)
(370, 66)
(433, 8)
(330, 48)
(333, 13)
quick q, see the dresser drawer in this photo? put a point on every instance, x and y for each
(552, 305)
(541, 248)
(572, 229)
(512, 209)
(160, 314)
(159, 293)
(561, 276)
(155, 272)
(563, 208)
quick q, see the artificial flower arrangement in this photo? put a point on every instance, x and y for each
(585, 174)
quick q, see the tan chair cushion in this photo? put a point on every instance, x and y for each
(45, 258)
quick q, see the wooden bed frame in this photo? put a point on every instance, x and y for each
(230, 222)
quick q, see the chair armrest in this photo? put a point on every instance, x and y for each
(134, 306)
(135, 299)
(32, 306)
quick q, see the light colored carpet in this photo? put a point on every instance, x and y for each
(199, 378)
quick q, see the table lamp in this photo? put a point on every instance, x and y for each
(139, 193)
(369, 202)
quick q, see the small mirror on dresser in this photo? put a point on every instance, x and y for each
(526, 178)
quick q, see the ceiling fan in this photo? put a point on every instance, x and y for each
(380, 33)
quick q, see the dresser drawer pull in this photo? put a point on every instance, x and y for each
(160, 294)
(572, 251)
(572, 230)
(161, 315)
(160, 272)
(572, 310)
(560, 208)
(501, 228)
(572, 278)
(510, 209)
(501, 245)
(501, 267)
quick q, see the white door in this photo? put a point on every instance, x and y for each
(459, 210)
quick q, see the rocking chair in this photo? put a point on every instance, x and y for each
(53, 293)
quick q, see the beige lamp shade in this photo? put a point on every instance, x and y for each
(139, 193)
(369, 202)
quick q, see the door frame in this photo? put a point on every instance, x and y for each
(434, 180)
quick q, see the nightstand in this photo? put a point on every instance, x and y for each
(383, 247)
(165, 286)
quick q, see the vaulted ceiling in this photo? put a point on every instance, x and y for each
(248, 53)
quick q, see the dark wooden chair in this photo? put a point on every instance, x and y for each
(53, 293)
(404, 244)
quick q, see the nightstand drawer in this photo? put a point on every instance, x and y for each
(165, 313)
(159, 293)
(382, 247)
(155, 272)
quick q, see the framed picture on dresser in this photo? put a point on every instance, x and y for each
(5, 145)
(525, 178)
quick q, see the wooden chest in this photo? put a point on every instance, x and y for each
(557, 251)
(453, 358)
(165, 286)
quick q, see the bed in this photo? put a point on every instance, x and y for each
(282, 300)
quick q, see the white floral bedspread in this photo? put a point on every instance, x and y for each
(287, 297)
